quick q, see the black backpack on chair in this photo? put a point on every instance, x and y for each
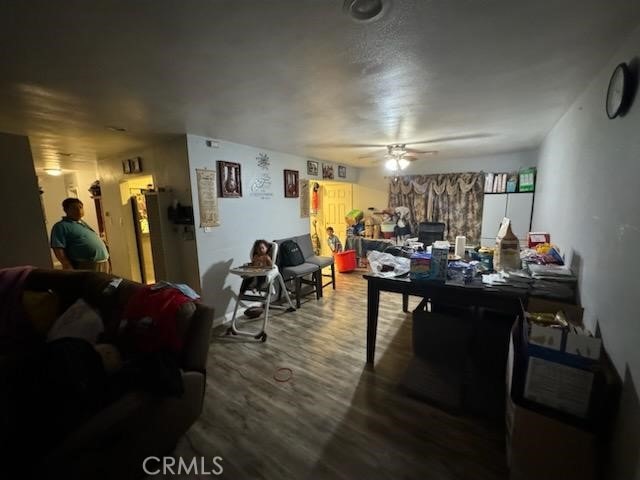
(290, 254)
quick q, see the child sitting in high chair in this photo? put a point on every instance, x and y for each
(260, 258)
(334, 242)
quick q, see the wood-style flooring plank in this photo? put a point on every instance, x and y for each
(336, 418)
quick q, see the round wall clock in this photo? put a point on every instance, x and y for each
(619, 91)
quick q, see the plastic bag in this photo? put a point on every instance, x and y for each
(386, 265)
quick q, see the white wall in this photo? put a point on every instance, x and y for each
(373, 189)
(23, 238)
(243, 220)
(587, 197)
(168, 164)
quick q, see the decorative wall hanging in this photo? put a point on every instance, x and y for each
(229, 179)
(207, 199)
(263, 161)
(291, 184)
(126, 166)
(312, 168)
(315, 198)
(342, 171)
(304, 198)
(327, 171)
(261, 184)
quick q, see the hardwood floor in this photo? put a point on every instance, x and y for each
(335, 418)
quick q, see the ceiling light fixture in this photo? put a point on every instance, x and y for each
(363, 10)
(403, 163)
(391, 164)
(396, 163)
(54, 172)
(395, 155)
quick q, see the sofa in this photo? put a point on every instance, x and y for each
(113, 442)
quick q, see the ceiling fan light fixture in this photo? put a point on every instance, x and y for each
(403, 163)
(396, 150)
(392, 164)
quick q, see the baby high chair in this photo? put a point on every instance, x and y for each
(263, 293)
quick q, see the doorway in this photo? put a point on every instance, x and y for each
(335, 200)
(139, 244)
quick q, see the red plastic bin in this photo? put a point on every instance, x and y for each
(345, 261)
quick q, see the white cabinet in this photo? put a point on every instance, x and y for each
(515, 206)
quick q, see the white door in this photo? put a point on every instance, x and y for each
(494, 210)
(336, 202)
(519, 206)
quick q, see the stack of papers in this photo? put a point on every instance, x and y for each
(553, 281)
(518, 280)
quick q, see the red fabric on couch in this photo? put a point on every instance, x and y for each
(152, 321)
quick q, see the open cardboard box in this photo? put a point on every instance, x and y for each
(541, 447)
(588, 348)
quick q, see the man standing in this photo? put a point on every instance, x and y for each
(75, 243)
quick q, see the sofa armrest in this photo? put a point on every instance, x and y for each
(103, 427)
(114, 443)
(196, 344)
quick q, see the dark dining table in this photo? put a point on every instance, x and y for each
(474, 294)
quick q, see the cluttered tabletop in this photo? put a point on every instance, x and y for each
(537, 270)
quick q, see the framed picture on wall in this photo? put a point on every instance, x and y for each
(327, 171)
(135, 165)
(342, 171)
(229, 179)
(312, 168)
(126, 166)
(291, 184)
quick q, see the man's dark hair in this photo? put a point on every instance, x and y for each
(67, 202)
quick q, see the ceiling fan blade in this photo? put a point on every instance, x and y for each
(371, 155)
(347, 145)
(453, 138)
(413, 150)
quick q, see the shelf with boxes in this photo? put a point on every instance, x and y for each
(510, 182)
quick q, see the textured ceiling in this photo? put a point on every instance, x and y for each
(298, 76)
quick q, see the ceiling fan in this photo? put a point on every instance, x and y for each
(396, 155)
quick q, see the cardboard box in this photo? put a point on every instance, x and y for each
(573, 312)
(559, 386)
(527, 179)
(553, 377)
(541, 447)
(420, 266)
(439, 261)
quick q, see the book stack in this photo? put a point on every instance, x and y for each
(497, 183)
